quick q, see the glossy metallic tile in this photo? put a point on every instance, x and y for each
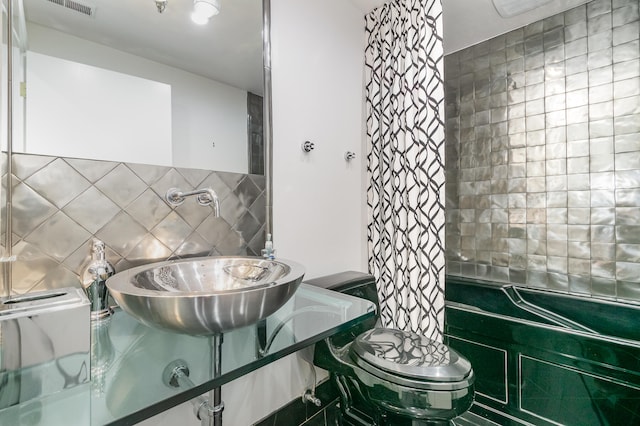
(603, 269)
(600, 111)
(172, 231)
(627, 216)
(26, 165)
(30, 209)
(626, 51)
(601, 146)
(579, 284)
(627, 69)
(46, 182)
(31, 268)
(222, 183)
(535, 184)
(536, 137)
(626, 33)
(554, 33)
(627, 124)
(627, 197)
(556, 215)
(91, 209)
(556, 249)
(627, 271)
(92, 170)
(554, 55)
(576, 65)
(628, 252)
(579, 198)
(148, 249)
(577, 47)
(573, 172)
(625, 14)
(213, 229)
(627, 179)
(233, 244)
(575, 31)
(194, 176)
(602, 234)
(627, 161)
(577, 98)
(603, 287)
(603, 181)
(171, 179)
(601, 163)
(597, 8)
(557, 232)
(121, 185)
(58, 236)
(122, 233)
(578, 233)
(194, 245)
(599, 32)
(579, 266)
(628, 87)
(247, 226)
(579, 250)
(556, 135)
(149, 209)
(627, 106)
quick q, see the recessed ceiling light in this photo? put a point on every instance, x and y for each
(203, 10)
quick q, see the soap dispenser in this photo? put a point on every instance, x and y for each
(94, 277)
(268, 252)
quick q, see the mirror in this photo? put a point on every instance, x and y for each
(117, 80)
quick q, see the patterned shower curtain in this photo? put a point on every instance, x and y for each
(405, 163)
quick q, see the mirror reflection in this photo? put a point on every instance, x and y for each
(145, 82)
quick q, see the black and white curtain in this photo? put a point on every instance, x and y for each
(405, 162)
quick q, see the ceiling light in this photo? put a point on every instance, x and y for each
(204, 9)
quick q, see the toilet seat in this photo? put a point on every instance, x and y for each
(409, 359)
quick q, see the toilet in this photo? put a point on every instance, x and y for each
(388, 377)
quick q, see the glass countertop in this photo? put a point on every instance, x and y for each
(129, 358)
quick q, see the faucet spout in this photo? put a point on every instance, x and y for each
(204, 197)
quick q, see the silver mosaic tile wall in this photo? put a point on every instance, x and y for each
(543, 154)
(60, 204)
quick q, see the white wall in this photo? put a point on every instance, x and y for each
(204, 111)
(319, 200)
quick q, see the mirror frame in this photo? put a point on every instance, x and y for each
(267, 114)
(6, 258)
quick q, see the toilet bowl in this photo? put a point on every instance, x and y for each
(391, 377)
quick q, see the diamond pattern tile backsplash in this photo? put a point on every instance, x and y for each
(61, 204)
(543, 154)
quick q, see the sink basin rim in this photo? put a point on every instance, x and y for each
(121, 282)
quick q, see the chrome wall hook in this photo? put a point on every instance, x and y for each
(308, 146)
(349, 155)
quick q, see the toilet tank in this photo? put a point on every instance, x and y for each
(356, 284)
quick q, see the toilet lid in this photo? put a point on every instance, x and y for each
(408, 354)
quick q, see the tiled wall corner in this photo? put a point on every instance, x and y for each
(60, 204)
(543, 154)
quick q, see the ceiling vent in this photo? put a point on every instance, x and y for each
(76, 6)
(510, 8)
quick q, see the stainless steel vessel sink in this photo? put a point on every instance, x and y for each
(205, 295)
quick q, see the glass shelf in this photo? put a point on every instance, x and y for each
(127, 384)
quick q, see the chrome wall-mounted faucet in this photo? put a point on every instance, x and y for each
(204, 197)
